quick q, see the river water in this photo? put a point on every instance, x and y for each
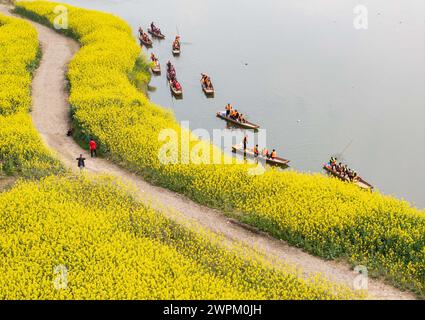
(303, 70)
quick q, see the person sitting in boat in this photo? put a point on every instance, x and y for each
(206, 80)
(256, 152)
(236, 115)
(338, 167)
(141, 31)
(176, 43)
(333, 163)
(355, 177)
(208, 83)
(241, 118)
(265, 152)
(170, 67)
(228, 109)
(343, 170)
(176, 84)
(154, 59)
(203, 78)
(350, 174)
(155, 29)
(172, 74)
(273, 155)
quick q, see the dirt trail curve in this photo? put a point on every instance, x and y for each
(50, 114)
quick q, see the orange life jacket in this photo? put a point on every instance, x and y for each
(274, 154)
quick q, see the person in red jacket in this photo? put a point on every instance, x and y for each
(93, 147)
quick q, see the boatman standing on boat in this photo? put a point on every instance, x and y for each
(245, 141)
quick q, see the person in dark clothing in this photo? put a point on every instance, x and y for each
(245, 141)
(81, 163)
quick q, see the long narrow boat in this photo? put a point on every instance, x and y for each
(360, 182)
(146, 43)
(207, 91)
(156, 34)
(246, 125)
(176, 92)
(281, 162)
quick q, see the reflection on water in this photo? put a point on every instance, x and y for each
(306, 74)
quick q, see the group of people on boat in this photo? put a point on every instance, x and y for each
(171, 72)
(342, 170)
(234, 114)
(155, 29)
(176, 43)
(154, 59)
(206, 81)
(264, 152)
(144, 36)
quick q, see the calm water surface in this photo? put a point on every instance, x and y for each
(302, 71)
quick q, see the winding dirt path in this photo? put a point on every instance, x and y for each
(51, 117)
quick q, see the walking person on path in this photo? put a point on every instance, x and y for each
(93, 147)
(81, 163)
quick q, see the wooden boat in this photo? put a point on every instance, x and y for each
(146, 43)
(156, 34)
(360, 182)
(207, 91)
(156, 69)
(174, 90)
(176, 51)
(281, 162)
(246, 125)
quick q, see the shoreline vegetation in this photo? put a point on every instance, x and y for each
(113, 247)
(322, 215)
(22, 153)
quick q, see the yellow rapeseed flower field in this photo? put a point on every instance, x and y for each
(21, 150)
(77, 238)
(322, 215)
